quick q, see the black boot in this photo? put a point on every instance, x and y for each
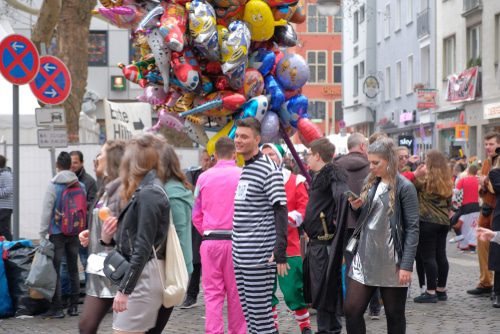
(496, 301)
(73, 310)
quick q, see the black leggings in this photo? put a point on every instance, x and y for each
(432, 250)
(94, 310)
(357, 299)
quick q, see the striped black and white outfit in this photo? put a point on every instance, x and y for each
(255, 237)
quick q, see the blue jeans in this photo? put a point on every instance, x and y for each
(65, 281)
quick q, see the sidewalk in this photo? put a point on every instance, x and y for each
(462, 313)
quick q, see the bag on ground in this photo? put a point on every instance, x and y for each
(42, 276)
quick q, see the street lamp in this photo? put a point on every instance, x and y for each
(328, 7)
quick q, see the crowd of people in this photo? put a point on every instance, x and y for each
(366, 217)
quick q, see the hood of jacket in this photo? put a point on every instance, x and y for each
(65, 176)
(354, 162)
(331, 172)
(176, 190)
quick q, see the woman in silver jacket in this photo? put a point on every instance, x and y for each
(387, 211)
(100, 291)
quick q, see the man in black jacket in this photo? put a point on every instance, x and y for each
(324, 224)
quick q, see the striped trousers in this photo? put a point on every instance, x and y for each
(255, 288)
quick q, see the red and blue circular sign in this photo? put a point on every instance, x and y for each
(52, 84)
(20, 60)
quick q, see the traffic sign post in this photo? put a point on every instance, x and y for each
(52, 84)
(50, 117)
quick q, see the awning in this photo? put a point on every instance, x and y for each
(408, 128)
(457, 107)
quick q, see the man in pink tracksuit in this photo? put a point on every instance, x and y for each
(213, 218)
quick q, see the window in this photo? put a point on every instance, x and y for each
(474, 43)
(355, 51)
(397, 92)
(98, 48)
(355, 28)
(362, 70)
(339, 111)
(361, 13)
(317, 66)
(449, 65)
(397, 16)
(387, 92)
(315, 22)
(409, 11)
(337, 24)
(355, 80)
(497, 39)
(337, 67)
(317, 109)
(387, 20)
(409, 75)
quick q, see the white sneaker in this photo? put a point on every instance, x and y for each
(456, 239)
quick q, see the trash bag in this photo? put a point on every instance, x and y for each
(17, 266)
(42, 276)
(31, 306)
(6, 308)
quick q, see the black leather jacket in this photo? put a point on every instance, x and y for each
(143, 223)
(404, 221)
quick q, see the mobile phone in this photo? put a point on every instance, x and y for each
(350, 194)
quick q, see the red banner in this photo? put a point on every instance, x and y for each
(426, 99)
(463, 87)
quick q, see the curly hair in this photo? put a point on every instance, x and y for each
(385, 149)
(438, 179)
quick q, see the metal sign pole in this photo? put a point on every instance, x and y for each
(53, 156)
(15, 158)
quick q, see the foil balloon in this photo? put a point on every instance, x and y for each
(276, 3)
(262, 60)
(184, 102)
(226, 15)
(234, 53)
(260, 20)
(256, 107)
(196, 133)
(299, 15)
(173, 25)
(293, 109)
(253, 83)
(203, 29)
(168, 120)
(222, 133)
(228, 3)
(285, 36)
(162, 56)
(291, 93)
(274, 90)
(131, 72)
(308, 131)
(151, 19)
(186, 69)
(292, 71)
(121, 16)
(269, 127)
(154, 95)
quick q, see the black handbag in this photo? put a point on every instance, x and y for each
(115, 267)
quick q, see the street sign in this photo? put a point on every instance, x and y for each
(52, 85)
(50, 117)
(49, 138)
(124, 120)
(20, 60)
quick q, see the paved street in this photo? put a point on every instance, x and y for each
(460, 314)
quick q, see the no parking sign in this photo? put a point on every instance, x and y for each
(19, 59)
(52, 85)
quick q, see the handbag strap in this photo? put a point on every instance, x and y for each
(158, 267)
(359, 227)
(156, 250)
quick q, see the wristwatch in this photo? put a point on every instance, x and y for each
(102, 243)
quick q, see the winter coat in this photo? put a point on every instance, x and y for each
(6, 189)
(494, 254)
(90, 186)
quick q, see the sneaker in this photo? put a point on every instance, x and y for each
(53, 314)
(73, 311)
(189, 303)
(374, 315)
(442, 295)
(456, 239)
(426, 298)
(479, 291)
(306, 330)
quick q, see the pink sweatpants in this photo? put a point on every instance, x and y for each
(218, 279)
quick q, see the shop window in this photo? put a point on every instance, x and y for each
(317, 110)
(98, 48)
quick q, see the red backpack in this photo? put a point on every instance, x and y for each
(70, 212)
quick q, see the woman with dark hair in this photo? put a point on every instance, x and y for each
(386, 239)
(435, 187)
(181, 203)
(139, 231)
(100, 292)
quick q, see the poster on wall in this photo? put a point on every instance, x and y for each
(461, 132)
(124, 120)
(426, 99)
(464, 86)
(407, 141)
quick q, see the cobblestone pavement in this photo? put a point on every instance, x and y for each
(460, 314)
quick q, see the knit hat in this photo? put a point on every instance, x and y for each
(280, 152)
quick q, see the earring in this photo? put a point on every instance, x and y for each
(387, 168)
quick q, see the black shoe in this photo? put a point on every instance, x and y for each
(426, 298)
(189, 303)
(53, 314)
(374, 315)
(73, 311)
(496, 301)
(306, 330)
(479, 291)
(442, 296)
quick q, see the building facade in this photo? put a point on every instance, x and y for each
(320, 39)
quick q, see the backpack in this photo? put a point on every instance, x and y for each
(70, 212)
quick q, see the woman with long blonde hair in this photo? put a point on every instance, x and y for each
(140, 227)
(435, 187)
(385, 240)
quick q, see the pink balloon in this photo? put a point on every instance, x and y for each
(168, 120)
(153, 95)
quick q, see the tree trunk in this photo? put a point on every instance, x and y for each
(46, 23)
(72, 43)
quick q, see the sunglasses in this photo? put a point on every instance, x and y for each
(402, 157)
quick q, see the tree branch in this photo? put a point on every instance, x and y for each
(20, 6)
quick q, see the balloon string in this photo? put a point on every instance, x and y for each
(294, 154)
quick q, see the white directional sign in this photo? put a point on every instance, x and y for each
(124, 120)
(48, 138)
(50, 117)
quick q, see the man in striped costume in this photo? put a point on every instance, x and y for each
(259, 229)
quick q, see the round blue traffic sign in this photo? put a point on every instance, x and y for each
(20, 60)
